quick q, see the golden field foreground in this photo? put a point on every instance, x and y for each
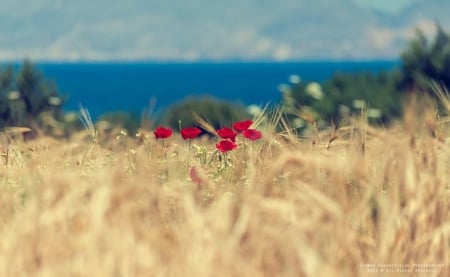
(345, 202)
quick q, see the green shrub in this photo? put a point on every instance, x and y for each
(122, 120)
(216, 112)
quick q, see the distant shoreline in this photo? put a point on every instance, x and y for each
(188, 62)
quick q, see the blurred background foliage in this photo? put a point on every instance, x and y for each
(28, 99)
(379, 95)
(218, 113)
(129, 121)
(425, 60)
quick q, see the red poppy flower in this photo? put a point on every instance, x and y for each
(193, 174)
(162, 132)
(190, 132)
(241, 126)
(252, 134)
(226, 145)
(227, 133)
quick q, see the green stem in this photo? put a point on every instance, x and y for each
(189, 154)
(166, 160)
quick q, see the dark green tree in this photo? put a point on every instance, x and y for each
(6, 85)
(29, 84)
(423, 61)
(28, 99)
(37, 95)
(426, 60)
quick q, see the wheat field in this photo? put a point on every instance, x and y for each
(353, 200)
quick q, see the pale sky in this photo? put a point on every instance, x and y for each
(190, 30)
(392, 6)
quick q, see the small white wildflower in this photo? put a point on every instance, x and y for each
(123, 133)
(295, 79)
(344, 110)
(13, 95)
(254, 110)
(359, 104)
(314, 90)
(298, 123)
(54, 101)
(374, 113)
(103, 125)
(284, 88)
(70, 117)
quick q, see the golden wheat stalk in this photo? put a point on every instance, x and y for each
(86, 119)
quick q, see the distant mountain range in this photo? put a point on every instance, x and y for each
(210, 30)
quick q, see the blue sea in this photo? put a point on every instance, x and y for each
(104, 87)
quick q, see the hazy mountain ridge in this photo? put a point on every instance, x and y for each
(200, 29)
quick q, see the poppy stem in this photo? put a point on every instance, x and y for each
(166, 159)
(164, 150)
(189, 154)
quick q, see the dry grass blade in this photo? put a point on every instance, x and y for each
(442, 94)
(204, 124)
(88, 124)
(261, 116)
(5, 137)
(15, 130)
